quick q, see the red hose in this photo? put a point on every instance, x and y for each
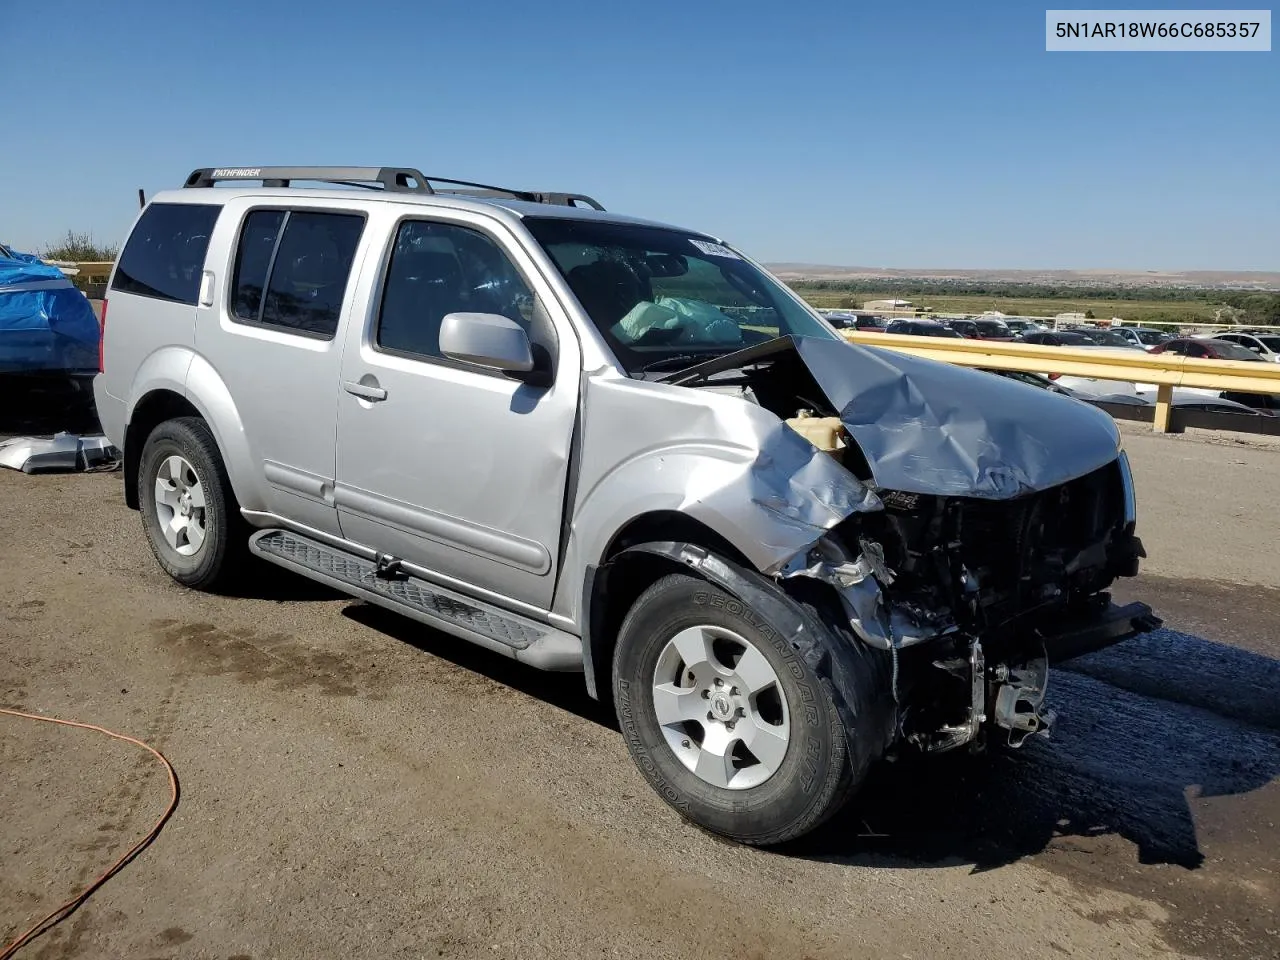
(70, 907)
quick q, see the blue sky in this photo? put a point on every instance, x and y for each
(894, 134)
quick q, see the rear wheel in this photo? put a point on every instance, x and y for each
(189, 513)
(724, 718)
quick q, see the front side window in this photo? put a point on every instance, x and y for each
(437, 269)
(164, 256)
(292, 269)
(662, 298)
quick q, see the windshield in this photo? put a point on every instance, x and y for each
(1107, 338)
(664, 299)
(992, 328)
(1066, 338)
(1223, 350)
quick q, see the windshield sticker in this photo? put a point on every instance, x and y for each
(715, 250)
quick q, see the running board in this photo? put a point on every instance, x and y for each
(528, 641)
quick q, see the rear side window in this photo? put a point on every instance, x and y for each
(164, 256)
(292, 269)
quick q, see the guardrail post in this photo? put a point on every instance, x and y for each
(1164, 407)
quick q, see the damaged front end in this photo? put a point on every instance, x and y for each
(1005, 516)
(974, 599)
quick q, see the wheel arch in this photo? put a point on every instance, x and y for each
(201, 393)
(151, 410)
(808, 618)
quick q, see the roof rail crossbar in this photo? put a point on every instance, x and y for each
(533, 196)
(399, 179)
(486, 190)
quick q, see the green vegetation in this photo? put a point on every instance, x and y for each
(1142, 304)
(79, 247)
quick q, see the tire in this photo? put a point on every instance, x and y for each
(779, 796)
(213, 562)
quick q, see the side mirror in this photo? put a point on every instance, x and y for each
(487, 340)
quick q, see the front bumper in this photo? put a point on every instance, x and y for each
(1087, 633)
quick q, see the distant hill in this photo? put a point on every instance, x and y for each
(1186, 279)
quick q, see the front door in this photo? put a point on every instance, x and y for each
(447, 465)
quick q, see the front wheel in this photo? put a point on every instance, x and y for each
(725, 719)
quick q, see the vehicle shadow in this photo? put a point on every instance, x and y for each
(1134, 744)
(564, 690)
(261, 580)
(1145, 727)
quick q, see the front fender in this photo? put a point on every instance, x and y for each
(728, 464)
(770, 501)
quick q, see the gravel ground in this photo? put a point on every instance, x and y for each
(354, 783)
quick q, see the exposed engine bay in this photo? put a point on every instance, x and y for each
(972, 596)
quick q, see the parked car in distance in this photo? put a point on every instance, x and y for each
(619, 448)
(922, 328)
(1106, 337)
(1265, 345)
(1019, 327)
(867, 322)
(1207, 348)
(1213, 348)
(1143, 337)
(1087, 339)
(981, 329)
(1058, 338)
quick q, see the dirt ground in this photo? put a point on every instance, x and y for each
(354, 784)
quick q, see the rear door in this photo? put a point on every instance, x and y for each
(277, 299)
(454, 468)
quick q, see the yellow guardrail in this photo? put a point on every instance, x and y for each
(1165, 370)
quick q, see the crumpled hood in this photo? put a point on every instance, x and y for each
(934, 428)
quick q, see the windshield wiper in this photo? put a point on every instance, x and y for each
(678, 360)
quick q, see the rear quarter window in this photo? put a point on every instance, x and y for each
(164, 255)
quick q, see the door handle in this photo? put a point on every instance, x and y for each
(365, 391)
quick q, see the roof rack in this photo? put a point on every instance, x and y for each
(396, 179)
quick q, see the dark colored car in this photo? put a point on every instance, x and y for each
(981, 329)
(1104, 337)
(922, 328)
(1058, 338)
(1207, 349)
(1212, 349)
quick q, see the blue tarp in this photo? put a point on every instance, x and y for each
(46, 324)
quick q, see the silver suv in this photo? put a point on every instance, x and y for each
(599, 444)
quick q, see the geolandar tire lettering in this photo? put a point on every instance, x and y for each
(723, 718)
